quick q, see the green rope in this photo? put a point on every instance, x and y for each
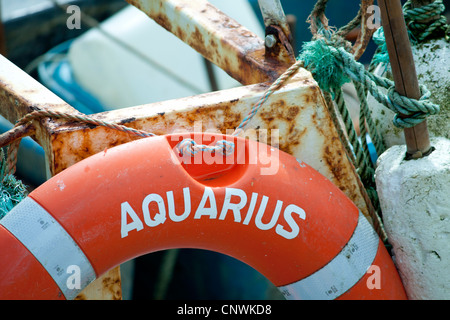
(417, 111)
(422, 31)
(417, 30)
(320, 57)
(366, 123)
(321, 60)
(328, 59)
(329, 70)
(12, 190)
(362, 157)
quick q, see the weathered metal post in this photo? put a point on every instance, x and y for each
(404, 72)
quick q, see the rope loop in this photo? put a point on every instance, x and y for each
(191, 148)
(186, 147)
(344, 67)
(415, 110)
(225, 147)
(423, 23)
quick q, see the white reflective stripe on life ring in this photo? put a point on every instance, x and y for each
(52, 246)
(341, 273)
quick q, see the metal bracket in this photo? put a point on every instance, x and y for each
(278, 37)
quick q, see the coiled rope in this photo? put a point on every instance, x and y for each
(418, 30)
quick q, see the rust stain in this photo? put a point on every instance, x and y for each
(282, 51)
(293, 139)
(70, 147)
(127, 120)
(312, 94)
(228, 119)
(280, 114)
(180, 33)
(107, 287)
(292, 112)
(163, 21)
(333, 154)
(334, 160)
(113, 286)
(80, 296)
(213, 44)
(197, 38)
(255, 67)
(13, 102)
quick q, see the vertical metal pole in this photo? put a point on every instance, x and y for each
(404, 72)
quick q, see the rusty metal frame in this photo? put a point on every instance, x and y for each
(298, 112)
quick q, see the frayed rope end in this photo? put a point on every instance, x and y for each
(320, 61)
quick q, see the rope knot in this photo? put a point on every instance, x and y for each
(190, 147)
(411, 112)
(187, 147)
(323, 61)
(225, 147)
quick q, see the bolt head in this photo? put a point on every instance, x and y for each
(270, 41)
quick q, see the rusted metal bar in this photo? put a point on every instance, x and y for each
(365, 34)
(219, 38)
(404, 72)
(16, 134)
(106, 287)
(278, 47)
(20, 94)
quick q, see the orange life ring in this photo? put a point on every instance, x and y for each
(258, 205)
